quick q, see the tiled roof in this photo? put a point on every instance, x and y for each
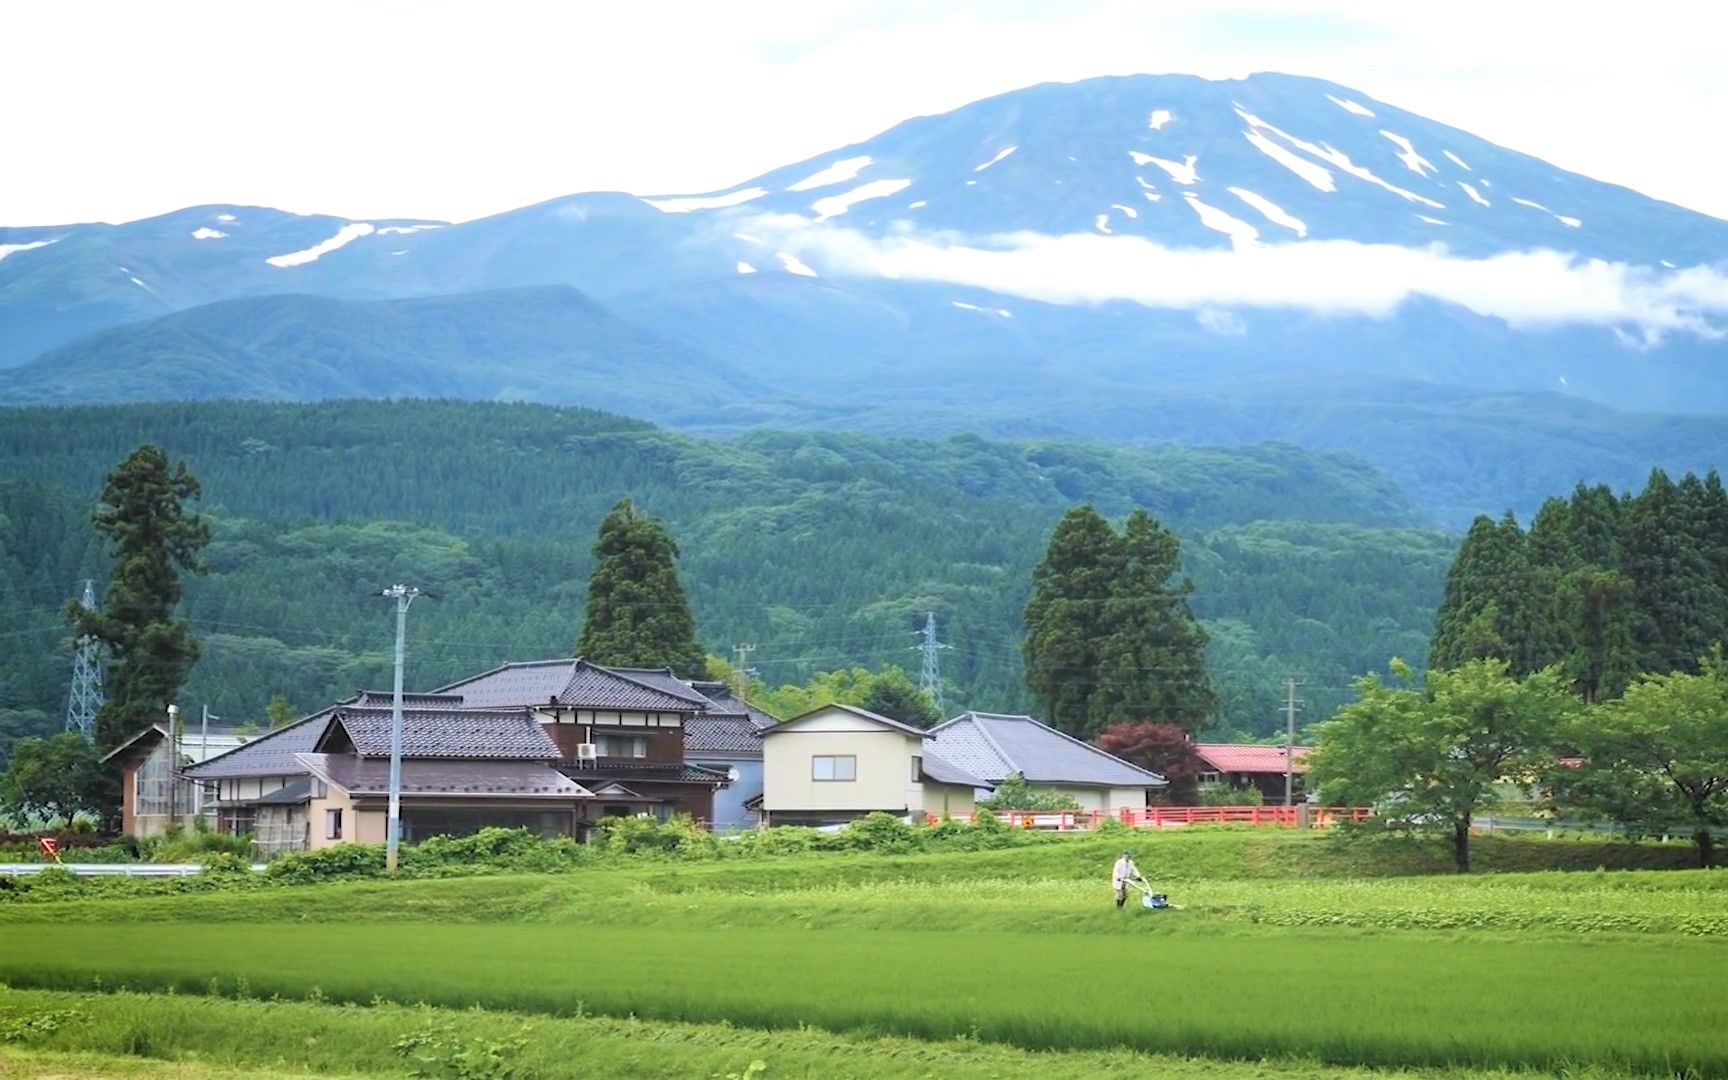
(385, 699)
(594, 687)
(710, 734)
(663, 679)
(290, 794)
(576, 683)
(446, 779)
(1243, 758)
(942, 771)
(443, 733)
(270, 754)
(535, 682)
(995, 746)
(630, 774)
(725, 704)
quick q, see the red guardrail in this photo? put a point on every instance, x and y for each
(1164, 817)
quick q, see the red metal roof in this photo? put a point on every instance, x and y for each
(1241, 758)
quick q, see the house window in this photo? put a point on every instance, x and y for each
(332, 824)
(319, 790)
(917, 769)
(834, 767)
(1209, 778)
(624, 746)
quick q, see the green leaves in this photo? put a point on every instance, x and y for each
(1431, 757)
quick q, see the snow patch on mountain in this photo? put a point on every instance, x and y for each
(1158, 119)
(1271, 211)
(1317, 176)
(745, 268)
(207, 233)
(1000, 154)
(405, 229)
(1433, 220)
(835, 205)
(1128, 210)
(226, 218)
(1241, 233)
(1530, 202)
(1102, 223)
(1569, 222)
(999, 312)
(1413, 161)
(1335, 157)
(1475, 196)
(794, 265)
(1458, 161)
(1350, 106)
(684, 204)
(345, 235)
(1183, 172)
(13, 249)
(837, 173)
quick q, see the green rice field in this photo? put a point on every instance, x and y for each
(950, 959)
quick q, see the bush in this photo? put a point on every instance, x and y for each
(177, 846)
(782, 840)
(1014, 793)
(226, 863)
(1111, 826)
(1226, 795)
(334, 863)
(882, 832)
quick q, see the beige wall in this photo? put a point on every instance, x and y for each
(948, 799)
(358, 826)
(1092, 798)
(884, 765)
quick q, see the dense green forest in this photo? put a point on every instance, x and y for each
(824, 550)
(1606, 587)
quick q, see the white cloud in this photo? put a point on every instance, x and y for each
(1528, 289)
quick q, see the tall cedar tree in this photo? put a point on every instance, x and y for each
(1065, 616)
(1494, 605)
(1152, 659)
(152, 538)
(1679, 608)
(637, 613)
(1109, 638)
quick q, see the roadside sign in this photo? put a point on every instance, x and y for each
(50, 847)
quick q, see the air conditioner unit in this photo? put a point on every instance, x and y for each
(587, 752)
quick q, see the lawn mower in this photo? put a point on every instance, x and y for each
(1152, 901)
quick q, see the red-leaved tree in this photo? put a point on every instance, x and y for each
(1163, 748)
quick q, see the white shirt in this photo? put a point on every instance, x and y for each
(1123, 870)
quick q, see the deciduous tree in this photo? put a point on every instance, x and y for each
(1163, 748)
(51, 779)
(1657, 759)
(1431, 756)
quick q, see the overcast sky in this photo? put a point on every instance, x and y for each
(116, 111)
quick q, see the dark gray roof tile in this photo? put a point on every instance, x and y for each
(443, 733)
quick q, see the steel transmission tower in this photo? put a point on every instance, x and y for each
(86, 698)
(930, 675)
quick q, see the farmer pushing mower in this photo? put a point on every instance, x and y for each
(1121, 874)
(1125, 875)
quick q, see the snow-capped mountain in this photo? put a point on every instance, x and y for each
(1064, 258)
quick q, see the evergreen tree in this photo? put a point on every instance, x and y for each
(895, 696)
(1493, 605)
(152, 538)
(637, 613)
(1151, 650)
(1066, 614)
(1678, 600)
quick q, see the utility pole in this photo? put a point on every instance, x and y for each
(1290, 686)
(85, 701)
(203, 751)
(930, 672)
(403, 595)
(173, 764)
(741, 669)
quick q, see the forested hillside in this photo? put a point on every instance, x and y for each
(824, 550)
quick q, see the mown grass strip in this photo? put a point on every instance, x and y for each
(106, 1034)
(1395, 1000)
